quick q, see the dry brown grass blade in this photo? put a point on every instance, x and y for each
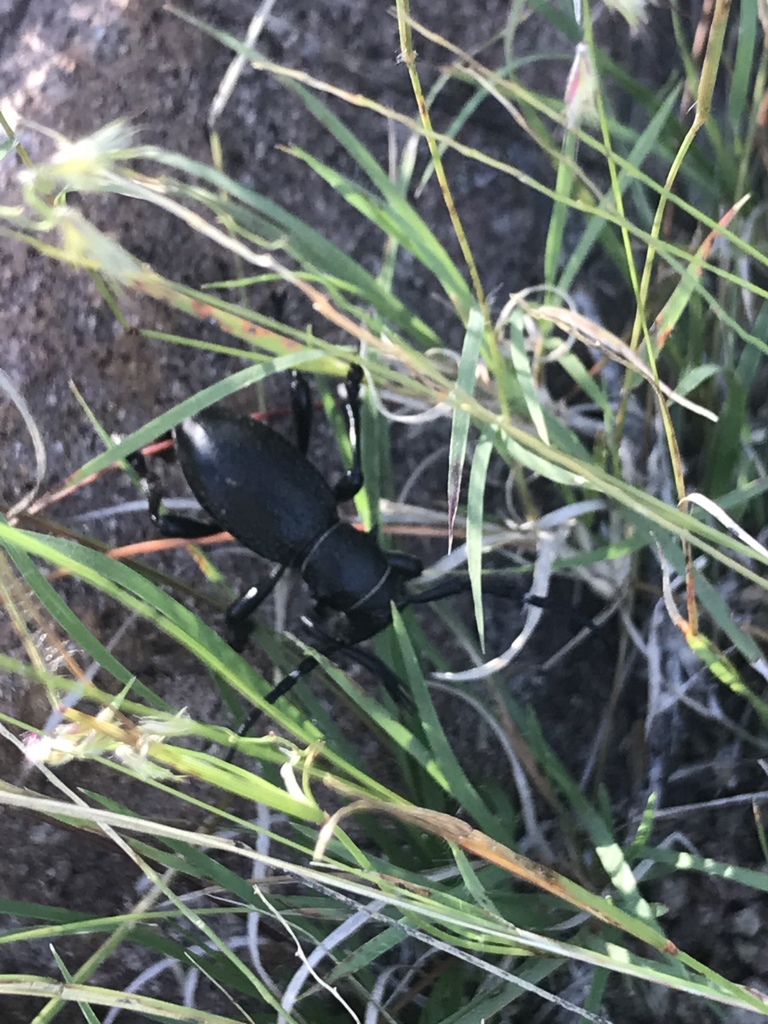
(473, 841)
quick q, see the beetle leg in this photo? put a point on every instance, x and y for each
(326, 645)
(169, 524)
(329, 647)
(392, 682)
(407, 566)
(301, 403)
(286, 684)
(302, 669)
(459, 583)
(239, 612)
(351, 482)
(445, 587)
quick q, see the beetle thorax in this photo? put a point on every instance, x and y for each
(346, 569)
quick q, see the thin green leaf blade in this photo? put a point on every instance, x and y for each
(457, 451)
(475, 518)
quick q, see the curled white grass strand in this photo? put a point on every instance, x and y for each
(41, 460)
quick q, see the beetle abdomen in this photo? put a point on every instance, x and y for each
(255, 484)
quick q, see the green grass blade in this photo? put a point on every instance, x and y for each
(459, 785)
(475, 520)
(470, 354)
(400, 221)
(61, 613)
(190, 406)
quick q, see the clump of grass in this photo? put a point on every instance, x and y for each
(391, 884)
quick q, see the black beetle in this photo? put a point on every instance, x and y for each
(264, 491)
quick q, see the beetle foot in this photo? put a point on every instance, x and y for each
(237, 635)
